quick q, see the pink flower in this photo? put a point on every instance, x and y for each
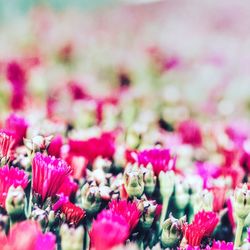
(238, 132)
(55, 145)
(48, 175)
(222, 245)
(248, 234)
(108, 230)
(7, 142)
(92, 148)
(17, 77)
(190, 132)
(208, 171)
(203, 225)
(18, 125)
(219, 195)
(160, 159)
(77, 91)
(8, 177)
(73, 213)
(78, 164)
(27, 235)
(68, 188)
(128, 210)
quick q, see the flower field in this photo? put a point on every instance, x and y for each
(125, 125)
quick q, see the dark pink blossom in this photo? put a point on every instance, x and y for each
(128, 210)
(29, 236)
(203, 225)
(18, 126)
(108, 230)
(48, 175)
(96, 146)
(190, 132)
(161, 159)
(11, 176)
(55, 145)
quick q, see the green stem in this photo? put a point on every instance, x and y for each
(239, 229)
(141, 245)
(164, 210)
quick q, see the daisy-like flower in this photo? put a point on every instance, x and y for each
(7, 142)
(202, 226)
(73, 213)
(18, 125)
(36, 240)
(190, 132)
(108, 230)
(128, 210)
(160, 159)
(48, 175)
(8, 177)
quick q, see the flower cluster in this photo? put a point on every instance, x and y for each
(108, 146)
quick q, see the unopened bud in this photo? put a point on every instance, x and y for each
(71, 238)
(133, 181)
(172, 232)
(16, 203)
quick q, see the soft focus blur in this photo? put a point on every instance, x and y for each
(193, 52)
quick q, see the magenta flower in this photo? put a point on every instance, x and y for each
(128, 210)
(17, 77)
(68, 188)
(190, 132)
(18, 125)
(208, 171)
(8, 177)
(108, 230)
(248, 234)
(222, 245)
(92, 148)
(55, 145)
(202, 226)
(160, 159)
(238, 132)
(36, 240)
(48, 175)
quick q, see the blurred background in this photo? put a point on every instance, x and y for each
(192, 53)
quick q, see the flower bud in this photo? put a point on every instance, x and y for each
(41, 216)
(38, 143)
(101, 164)
(172, 232)
(133, 138)
(202, 201)
(149, 179)
(133, 181)
(16, 203)
(242, 201)
(71, 238)
(91, 198)
(181, 197)
(148, 209)
(167, 180)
